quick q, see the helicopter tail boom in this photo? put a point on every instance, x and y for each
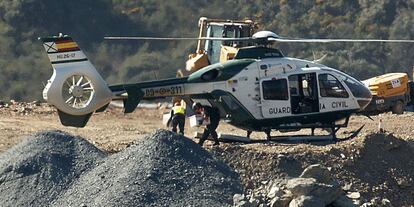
(76, 89)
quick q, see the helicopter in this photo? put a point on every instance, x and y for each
(258, 90)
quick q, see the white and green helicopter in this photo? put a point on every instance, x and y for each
(259, 90)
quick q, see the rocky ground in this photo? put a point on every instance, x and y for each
(373, 169)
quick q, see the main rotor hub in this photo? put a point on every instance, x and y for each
(265, 35)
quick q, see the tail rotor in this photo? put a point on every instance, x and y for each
(76, 89)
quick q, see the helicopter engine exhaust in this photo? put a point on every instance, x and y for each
(76, 89)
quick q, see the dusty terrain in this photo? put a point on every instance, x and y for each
(378, 166)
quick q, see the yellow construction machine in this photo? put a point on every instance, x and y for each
(213, 51)
(390, 92)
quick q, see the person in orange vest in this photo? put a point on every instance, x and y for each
(177, 117)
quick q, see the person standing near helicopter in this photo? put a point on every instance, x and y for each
(213, 115)
(177, 117)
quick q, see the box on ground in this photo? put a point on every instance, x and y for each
(198, 120)
(165, 119)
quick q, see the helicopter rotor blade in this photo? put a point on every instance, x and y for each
(180, 38)
(336, 40)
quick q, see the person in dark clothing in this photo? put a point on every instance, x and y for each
(177, 117)
(213, 114)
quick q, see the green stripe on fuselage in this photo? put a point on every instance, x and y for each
(226, 70)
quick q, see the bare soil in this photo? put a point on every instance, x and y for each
(377, 165)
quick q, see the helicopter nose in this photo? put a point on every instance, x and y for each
(363, 95)
(363, 103)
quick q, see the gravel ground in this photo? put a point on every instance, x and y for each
(36, 171)
(163, 169)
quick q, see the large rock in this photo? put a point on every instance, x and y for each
(327, 193)
(281, 201)
(274, 191)
(309, 187)
(301, 186)
(306, 201)
(321, 174)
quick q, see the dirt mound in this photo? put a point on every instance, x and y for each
(36, 171)
(386, 164)
(378, 166)
(163, 169)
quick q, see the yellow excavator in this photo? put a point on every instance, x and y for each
(390, 92)
(213, 51)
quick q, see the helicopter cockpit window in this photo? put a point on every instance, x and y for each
(357, 88)
(275, 89)
(329, 86)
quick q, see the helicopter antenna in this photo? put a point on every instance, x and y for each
(155, 75)
(320, 59)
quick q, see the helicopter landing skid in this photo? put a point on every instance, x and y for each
(226, 138)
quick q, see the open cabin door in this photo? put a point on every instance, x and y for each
(274, 97)
(304, 93)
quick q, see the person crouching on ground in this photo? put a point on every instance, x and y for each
(177, 117)
(213, 115)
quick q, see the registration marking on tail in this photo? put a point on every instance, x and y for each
(174, 90)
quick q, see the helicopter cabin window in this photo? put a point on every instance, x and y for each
(229, 102)
(331, 87)
(275, 89)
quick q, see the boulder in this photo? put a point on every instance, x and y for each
(274, 191)
(327, 193)
(280, 201)
(306, 201)
(354, 195)
(301, 186)
(309, 187)
(321, 174)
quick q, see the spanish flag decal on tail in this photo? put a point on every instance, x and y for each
(62, 49)
(66, 46)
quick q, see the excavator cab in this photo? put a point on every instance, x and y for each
(221, 51)
(213, 51)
